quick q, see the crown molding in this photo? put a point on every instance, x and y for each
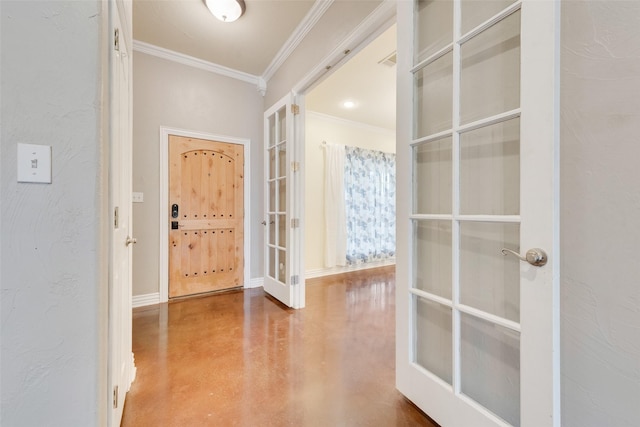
(310, 20)
(352, 123)
(191, 61)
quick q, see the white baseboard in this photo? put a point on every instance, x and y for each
(256, 282)
(132, 371)
(321, 272)
(154, 298)
(146, 299)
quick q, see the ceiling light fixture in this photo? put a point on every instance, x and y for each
(226, 10)
(348, 104)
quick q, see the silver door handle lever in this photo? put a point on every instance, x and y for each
(535, 256)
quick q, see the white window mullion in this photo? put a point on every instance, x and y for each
(455, 199)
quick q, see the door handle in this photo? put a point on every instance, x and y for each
(535, 256)
(131, 241)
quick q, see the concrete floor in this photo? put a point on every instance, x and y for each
(243, 359)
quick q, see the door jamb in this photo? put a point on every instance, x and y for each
(164, 200)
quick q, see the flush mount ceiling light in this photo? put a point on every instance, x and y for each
(226, 10)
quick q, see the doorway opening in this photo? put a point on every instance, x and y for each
(353, 107)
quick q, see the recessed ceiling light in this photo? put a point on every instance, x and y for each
(348, 104)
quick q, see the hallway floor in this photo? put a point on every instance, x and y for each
(243, 359)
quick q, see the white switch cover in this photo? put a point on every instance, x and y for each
(34, 163)
(137, 197)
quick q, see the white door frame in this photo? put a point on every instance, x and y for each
(121, 370)
(164, 200)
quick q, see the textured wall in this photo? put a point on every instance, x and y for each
(51, 327)
(600, 213)
(169, 94)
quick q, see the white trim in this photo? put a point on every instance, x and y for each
(145, 299)
(201, 64)
(256, 282)
(164, 200)
(360, 125)
(308, 22)
(132, 370)
(321, 272)
(371, 27)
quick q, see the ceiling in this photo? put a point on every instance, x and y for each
(366, 81)
(251, 43)
(248, 44)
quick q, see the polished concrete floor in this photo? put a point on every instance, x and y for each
(243, 359)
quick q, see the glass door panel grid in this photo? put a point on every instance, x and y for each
(438, 229)
(277, 267)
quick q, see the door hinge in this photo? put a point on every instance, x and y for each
(115, 397)
(115, 218)
(295, 279)
(116, 39)
(295, 166)
(295, 222)
(295, 109)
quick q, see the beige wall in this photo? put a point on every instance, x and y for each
(320, 128)
(600, 213)
(169, 94)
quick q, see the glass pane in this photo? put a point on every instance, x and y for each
(433, 96)
(272, 131)
(272, 163)
(282, 195)
(282, 231)
(432, 177)
(433, 337)
(490, 170)
(272, 263)
(489, 280)
(272, 196)
(282, 267)
(434, 29)
(282, 160)
(432, 257)
(490, 76)
(490, 367)
(475, 12)
(282, 124)
(272, 230)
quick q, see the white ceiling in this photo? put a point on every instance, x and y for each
(365, 81)
(251, 43)
(248, 44)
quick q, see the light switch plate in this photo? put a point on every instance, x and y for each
(34, 163)
(137, 197)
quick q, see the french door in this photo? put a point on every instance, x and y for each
(282, 278)
(477, 326)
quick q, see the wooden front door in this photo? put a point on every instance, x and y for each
(206, 213)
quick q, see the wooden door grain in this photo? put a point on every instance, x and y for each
(206, 238)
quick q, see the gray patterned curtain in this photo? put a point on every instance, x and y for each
(370, 192)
